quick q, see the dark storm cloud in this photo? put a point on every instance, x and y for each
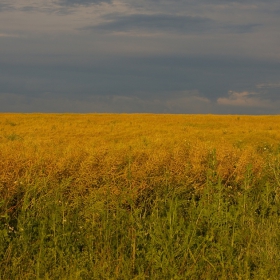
(162, 56)
(143, 77)
(168, 23)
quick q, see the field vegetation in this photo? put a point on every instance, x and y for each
(139, 196)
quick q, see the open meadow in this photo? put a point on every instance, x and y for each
(139, 196)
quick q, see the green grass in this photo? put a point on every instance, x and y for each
(165, 232)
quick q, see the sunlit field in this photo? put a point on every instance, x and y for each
(139, 196)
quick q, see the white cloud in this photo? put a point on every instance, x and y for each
(244, 99)
(268, 85)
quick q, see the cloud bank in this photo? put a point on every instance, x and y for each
(140, 56)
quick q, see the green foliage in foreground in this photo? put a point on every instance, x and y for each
(168, 232)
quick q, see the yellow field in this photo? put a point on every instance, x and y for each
(138, 151)
(104, 196)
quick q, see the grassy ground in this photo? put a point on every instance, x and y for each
(139, 197)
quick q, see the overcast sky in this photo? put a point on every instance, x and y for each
(158, 56)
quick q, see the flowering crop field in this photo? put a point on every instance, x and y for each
(139, 196)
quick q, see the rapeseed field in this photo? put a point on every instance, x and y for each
(139, 196)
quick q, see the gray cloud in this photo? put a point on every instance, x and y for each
(194, 5)
(168, 23)
(60, 7)
(81, 2)
(155, 22)
(184, 102)
(6, 7)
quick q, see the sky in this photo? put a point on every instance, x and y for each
(144, 56)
